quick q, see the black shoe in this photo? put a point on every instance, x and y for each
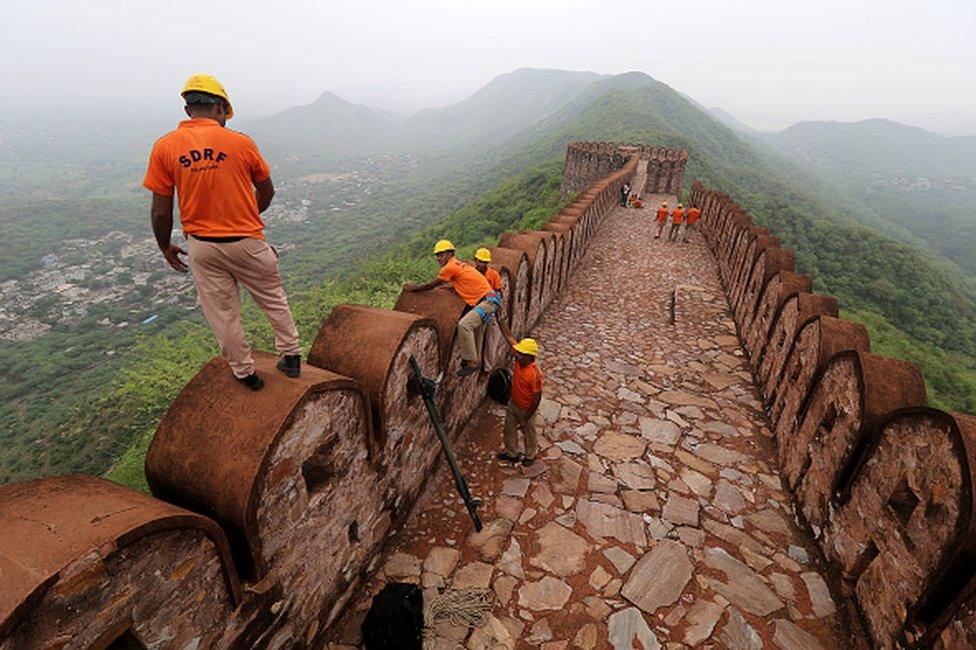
(464, 371)
(252, 381)
(507, 457)
(527, 462)
(291, 365)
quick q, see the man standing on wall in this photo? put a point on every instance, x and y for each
(223, 184)
(473, 289)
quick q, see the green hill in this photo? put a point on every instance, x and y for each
(921, 182)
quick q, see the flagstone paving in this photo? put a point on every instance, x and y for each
(654, 517)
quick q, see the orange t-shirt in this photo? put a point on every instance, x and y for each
(693, 215)
(526, 384)
(677, 215)
(466, 280)
(213, 170)
(662, 214)
(494, 279)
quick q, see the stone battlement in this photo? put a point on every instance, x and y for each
(586, 162)
(270, 507)
(884, 482)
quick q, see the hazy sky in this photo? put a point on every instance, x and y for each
(769, 62)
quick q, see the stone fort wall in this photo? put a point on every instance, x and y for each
(884, 482)
(269, 508)
(586, 162)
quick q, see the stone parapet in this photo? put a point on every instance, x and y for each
(884, 482)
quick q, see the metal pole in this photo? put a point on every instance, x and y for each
(427, 389)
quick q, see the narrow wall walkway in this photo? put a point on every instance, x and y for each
(656, 517)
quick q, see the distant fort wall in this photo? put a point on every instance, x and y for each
(270, 507)
(884, 482)
(586, 162)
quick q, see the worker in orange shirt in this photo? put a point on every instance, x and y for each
(523, 403)
(661, 219)
(482, 258)
(473, 289)
(693, 215)
(676, 218)
(223, 184)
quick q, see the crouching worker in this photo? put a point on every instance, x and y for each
(524, 402)
(473, 289)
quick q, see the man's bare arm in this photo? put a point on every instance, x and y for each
(161, 215)
(506, 331)
(265, 192)
(427, 286)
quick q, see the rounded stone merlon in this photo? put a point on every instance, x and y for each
(442, 306)
(904, 530)
(850, 398)
(366, 342)
(85, 557)
(212, 451)
(514, 264)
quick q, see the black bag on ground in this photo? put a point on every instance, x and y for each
(500, 385)
(395, 619)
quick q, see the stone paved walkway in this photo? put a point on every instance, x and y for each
(655, 517)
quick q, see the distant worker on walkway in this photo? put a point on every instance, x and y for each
(523, 403)
(661, 219)
(638, 203)
(693, 215)
(223, 184)
(482, 258)
(624, 193)
(676, 218)
(473, 289)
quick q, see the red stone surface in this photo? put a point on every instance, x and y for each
(59, 533)
(211, 449)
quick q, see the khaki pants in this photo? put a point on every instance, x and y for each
(217, 269)
(673, 235)
(687, 231)
(515, 419)
(660, 227)
(471, 331)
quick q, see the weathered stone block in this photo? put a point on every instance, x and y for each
(85, 561)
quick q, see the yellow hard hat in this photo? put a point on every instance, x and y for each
(528, 346)
(664, 205)
(443, 246)
(205, 83)
(482, 255)
(681, 205)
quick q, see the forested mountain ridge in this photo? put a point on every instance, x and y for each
(356, 230)
(921, 182)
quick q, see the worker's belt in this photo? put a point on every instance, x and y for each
(494, 297)
(218, 240)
